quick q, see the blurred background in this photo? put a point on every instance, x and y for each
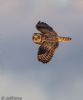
(20, 72)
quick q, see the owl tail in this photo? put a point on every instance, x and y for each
(64, 39)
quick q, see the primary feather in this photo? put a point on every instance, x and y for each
(46, 51)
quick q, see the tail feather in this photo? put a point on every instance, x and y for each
(64, 39)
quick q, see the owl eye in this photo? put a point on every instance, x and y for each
(38, 37)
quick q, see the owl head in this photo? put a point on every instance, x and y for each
(37, 38)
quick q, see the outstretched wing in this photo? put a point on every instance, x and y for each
(46, 51)
(45, 28)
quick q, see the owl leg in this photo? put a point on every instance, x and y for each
(64, 39)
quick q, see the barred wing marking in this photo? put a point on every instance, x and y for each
(46, 51)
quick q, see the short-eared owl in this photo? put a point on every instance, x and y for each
(48, 40)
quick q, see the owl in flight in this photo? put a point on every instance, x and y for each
(48, 40)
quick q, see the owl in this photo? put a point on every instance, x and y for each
(48, 40)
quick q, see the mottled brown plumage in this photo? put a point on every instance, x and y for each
(48, 40)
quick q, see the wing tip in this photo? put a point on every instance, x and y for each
(43, 25)
(44, 61)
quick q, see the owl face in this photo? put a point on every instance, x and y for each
(37, 38)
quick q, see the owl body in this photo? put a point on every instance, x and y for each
(45, 37)
(48, 40)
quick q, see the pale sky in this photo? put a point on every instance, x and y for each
(20, 72)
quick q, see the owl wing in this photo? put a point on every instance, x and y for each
(46, 51)
(45, 28)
